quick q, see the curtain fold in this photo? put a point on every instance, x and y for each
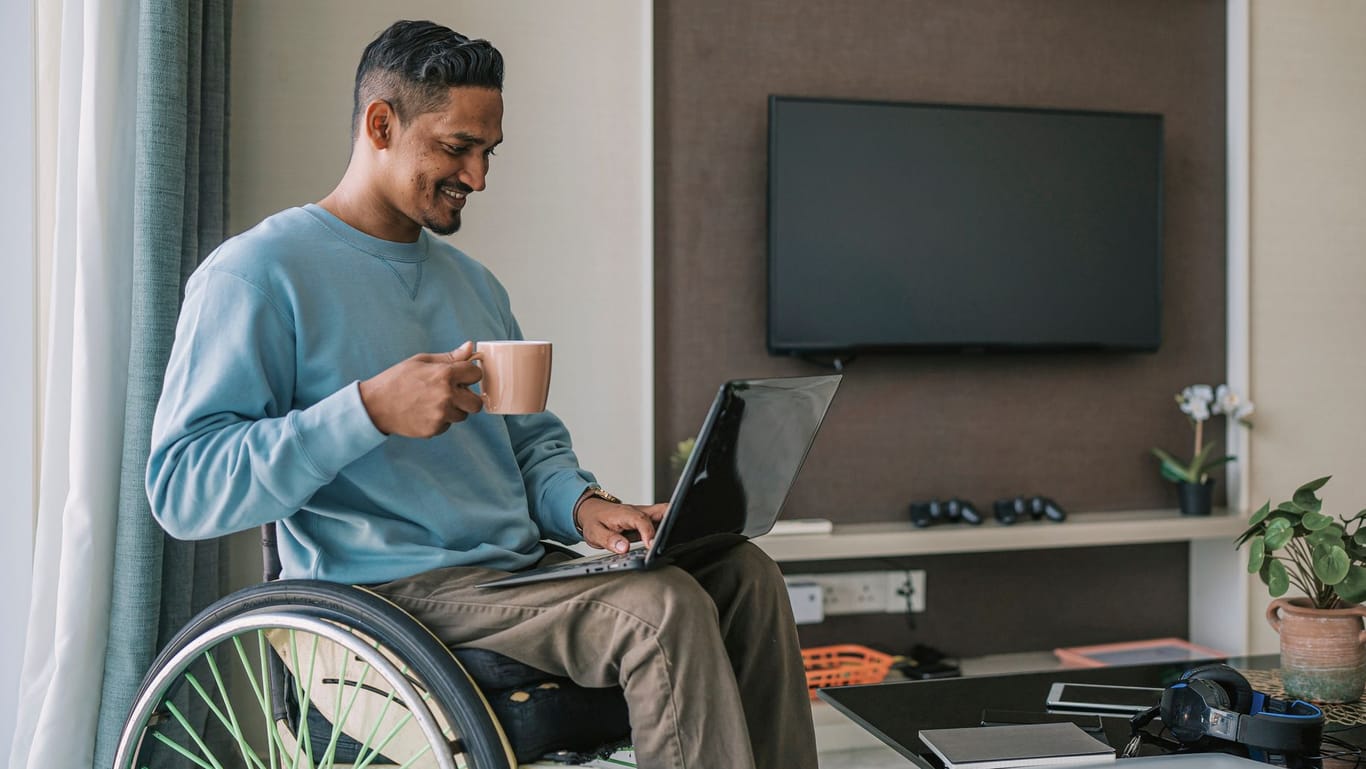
(139, 197)
(87, 371)
(179, 216)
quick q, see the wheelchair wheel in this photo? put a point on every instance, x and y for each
(296, 674)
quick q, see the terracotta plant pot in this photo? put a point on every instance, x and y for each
(1323, 651)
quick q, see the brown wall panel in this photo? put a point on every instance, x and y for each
(1076, 427)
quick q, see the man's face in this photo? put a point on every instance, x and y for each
(439, 157)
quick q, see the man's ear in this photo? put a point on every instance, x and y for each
(379, 124)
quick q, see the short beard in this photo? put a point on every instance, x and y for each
(443, 229)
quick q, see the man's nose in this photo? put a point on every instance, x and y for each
(474, 176)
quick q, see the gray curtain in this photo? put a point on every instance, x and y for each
(180, 213)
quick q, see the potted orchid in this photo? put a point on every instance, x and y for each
(1199, 403)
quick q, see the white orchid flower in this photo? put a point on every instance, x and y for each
(1229, 403)
(1200, 393)
(1226, 401)
(1196, 409)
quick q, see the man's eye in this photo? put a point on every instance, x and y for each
(454, 150)
(488, 153)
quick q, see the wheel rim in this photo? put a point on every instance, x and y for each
(244, 730)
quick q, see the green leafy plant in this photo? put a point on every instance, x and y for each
(1199, 403)
(1296, 544)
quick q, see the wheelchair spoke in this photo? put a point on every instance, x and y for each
(369, 738)
(385, 743)
(194, 735)
(304, 695)
(229, 723)
(181, 749)
(262, 691)
(425, 750)
(340, 712)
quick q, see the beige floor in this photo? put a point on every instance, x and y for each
(864, 758)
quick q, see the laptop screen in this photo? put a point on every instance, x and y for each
(746, 459)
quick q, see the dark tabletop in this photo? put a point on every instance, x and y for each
(896, 712)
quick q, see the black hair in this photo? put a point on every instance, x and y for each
(413, 64)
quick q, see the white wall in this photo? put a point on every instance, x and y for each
(566, 220)
(1308, 257)
(18, 351)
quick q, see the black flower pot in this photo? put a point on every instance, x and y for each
(1196, 497)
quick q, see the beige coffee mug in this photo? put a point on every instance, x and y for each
(516, 375)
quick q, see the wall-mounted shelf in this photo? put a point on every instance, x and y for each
(873, 540)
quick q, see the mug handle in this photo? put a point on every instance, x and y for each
(477, 358)
(1273, 616)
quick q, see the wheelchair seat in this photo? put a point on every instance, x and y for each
(261, 678)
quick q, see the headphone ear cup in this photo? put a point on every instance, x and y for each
(1185, 705)
(1238, 689)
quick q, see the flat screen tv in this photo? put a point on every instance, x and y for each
(903, 226)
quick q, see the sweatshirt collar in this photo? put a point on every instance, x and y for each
(384, 249)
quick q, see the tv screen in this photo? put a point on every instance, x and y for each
(908, 226)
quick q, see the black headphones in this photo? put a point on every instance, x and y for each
(1214, 703)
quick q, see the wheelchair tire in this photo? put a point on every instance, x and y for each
(416, 673)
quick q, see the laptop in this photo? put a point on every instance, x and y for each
(746, 458)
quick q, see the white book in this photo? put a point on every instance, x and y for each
(1016, 745)
(802, 526)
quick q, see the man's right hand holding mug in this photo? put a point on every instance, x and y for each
(424, 395)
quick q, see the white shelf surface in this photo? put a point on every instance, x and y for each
(878, 540)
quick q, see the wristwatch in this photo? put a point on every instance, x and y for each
(592, 491)
(595, 491)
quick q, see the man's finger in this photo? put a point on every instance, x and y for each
(656, 511)
(465, 373)
(639, 522)
(466, 401)
(454, 413)
(461, 353)
(599, 534)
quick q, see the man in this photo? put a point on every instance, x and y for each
(310, 385)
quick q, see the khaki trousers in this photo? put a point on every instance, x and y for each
(706, 651)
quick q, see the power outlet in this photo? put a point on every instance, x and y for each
(868, 592)
(906, 591)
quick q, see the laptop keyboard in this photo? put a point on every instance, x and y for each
(605, 562)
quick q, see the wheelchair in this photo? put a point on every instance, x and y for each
(290, 674)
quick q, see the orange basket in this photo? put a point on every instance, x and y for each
(843, 665)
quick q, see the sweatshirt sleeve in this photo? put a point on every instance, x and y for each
(550, 470)
(554, 481)
(228, 452)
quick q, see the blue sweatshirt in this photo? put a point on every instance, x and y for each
(261, 420)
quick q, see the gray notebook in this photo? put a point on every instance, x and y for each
(991, 747)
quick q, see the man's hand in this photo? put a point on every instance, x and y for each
(610, 526)
(424, 395)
